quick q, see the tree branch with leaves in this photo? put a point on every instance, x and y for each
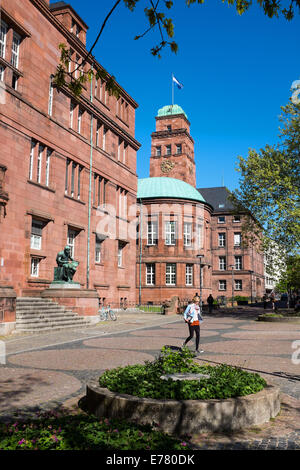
(156, 19)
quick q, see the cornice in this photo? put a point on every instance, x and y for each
(75, 43)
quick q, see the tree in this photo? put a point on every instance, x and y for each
(289, 280)
(270, 187)
(156, 19)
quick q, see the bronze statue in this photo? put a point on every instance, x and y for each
(66, 266)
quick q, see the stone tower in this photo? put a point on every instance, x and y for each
(172, 147)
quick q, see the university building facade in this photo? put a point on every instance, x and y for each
(68, 163)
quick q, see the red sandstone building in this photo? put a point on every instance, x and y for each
(68, 164)
(175, 218)
(178, 225)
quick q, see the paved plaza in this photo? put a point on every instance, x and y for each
(43, 371)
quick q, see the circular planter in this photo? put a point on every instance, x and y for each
(185, 416)
(279, 319)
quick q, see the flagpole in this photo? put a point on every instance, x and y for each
(172, 90)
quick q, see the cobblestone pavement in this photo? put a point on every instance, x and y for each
(43, 371)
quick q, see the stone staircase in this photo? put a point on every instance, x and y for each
(34, 314)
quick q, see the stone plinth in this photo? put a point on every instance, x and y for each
(7, 309)
(186, 416)
(85, 302)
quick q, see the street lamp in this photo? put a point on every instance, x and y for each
(251, 280)
(232, 284)
(200, 270)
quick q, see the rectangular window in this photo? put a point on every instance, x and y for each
(98, 133)
(221, 219)
(158, 151)
(222, 263)
(170, 274)
(34, 268)
(168, 149)
(238, 263)
(189, 275)
(50, 101)
(125, 148)
(3, 32)
(187, 234)
(73, 179)
(150, 274)
(237, 239)
(36, 234)
(152, 233)
(200, 235)
(236, 218)
(178, 148)
(104, 138)
(67, 176)
(98, 249)
(72, 107)
(119, 149)
(80, 168)
(238, 284)
(39, 163)
(170, 233)
(48, 159)
(120, 254)
(14, 81)
(31, 161)
(71, 241)
(222, 285)
(79, 119)
(222, 239)
(15, 49)
(2, 73)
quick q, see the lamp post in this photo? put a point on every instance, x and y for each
(232, 284)
(200, 270)
(251, 280)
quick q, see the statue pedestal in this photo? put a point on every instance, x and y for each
(85, 302)
(64, 285)
(8, 299)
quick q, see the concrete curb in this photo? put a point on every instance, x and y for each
(186, 416)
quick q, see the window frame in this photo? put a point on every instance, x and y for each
(189, 276)
(150, 274)
(170, 233)
(170, 274)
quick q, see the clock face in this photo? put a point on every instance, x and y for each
(167, 166)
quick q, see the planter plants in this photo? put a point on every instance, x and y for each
(62, 431)
(145, 380)
(180, 397)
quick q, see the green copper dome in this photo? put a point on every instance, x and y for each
(164, 187)
(170, 109)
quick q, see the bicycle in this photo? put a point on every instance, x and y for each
(107, 313)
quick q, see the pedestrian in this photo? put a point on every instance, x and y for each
(193, 318)
(272, 298)
(210, 301)
(265, 300)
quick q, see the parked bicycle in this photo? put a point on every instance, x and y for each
(106, 313)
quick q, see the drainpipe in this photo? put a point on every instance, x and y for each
(140, 263)
(90, 192)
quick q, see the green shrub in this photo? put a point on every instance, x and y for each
(83, 432)
(145, 380)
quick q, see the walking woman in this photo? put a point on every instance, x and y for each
(193, 318)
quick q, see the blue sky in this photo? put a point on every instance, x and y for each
(237, 72)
